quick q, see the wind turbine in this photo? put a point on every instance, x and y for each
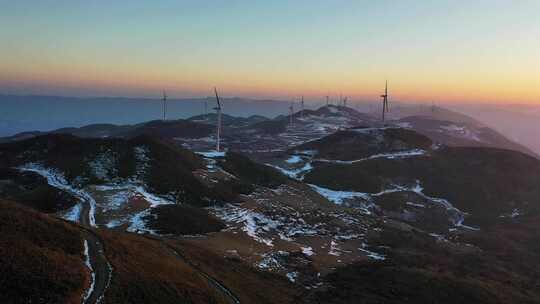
(218, 130)
(302, 107)
(345, 101)
(327, 100)
(385, 100)
(164, 99)
(291, 111)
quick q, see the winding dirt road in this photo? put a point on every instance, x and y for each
(226, 292)
(215, 283)
(98, 260)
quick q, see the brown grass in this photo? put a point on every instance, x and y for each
(40, 258)
(247, 283)
(145, 271)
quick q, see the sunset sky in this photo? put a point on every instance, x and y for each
(449, 51)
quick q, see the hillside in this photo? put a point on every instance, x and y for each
(461, 133)
(358, 143)
(327, 210)
(481, 183)
(41, 258)
(168, 129)
(43, 261)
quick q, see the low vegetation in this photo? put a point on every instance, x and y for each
(484, 182)
(251, 172)
(146, 271)
(183, 220)
(352, 144)
(41, 258)
(32, 190)
(495, 266)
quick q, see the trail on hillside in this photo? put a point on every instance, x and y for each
(228, 294)
(213, 282)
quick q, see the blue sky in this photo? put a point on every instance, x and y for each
(449, 50)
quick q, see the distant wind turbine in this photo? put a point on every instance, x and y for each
(291, 111)
(385, 100)
(327, 100)
(164, 99)
(302, 107)
(218, 128)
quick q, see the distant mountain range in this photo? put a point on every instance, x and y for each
(45, 113)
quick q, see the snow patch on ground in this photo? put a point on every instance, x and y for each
(456, 216)
(338, 197)
(515, 213)
(461, 131)
(272, 261)
(137, 223)
(334, 249)
(212, 154)
(393, 155)
(142, 160)
(404, 125)
(283, 223)
(371, 254)
(122, 193)
(254, 224)
(103, 165)
(341, 197)
(73, 214)
(292, 276)
(307, 251)
(295, 173)
(294, 159)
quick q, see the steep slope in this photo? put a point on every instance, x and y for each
(41, 258)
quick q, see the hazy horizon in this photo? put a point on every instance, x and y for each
(520, 123)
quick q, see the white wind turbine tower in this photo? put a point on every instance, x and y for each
(164, 99)
(302, 107)
(385, 101)
(218, 128)
(291, 111)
